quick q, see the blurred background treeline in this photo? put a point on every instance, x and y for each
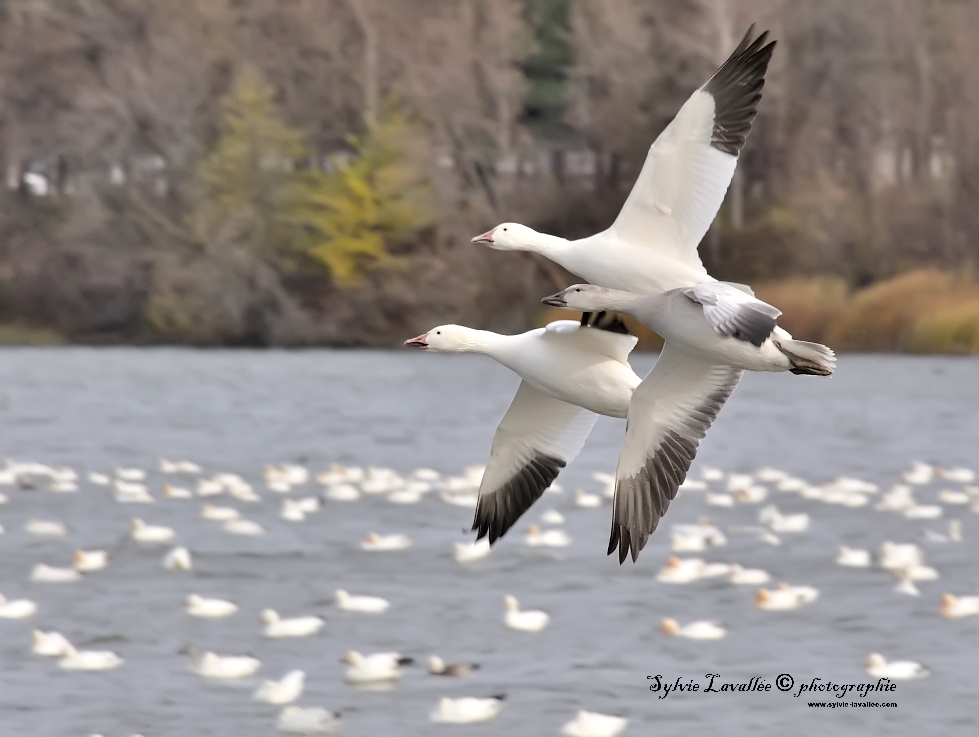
(292, 172)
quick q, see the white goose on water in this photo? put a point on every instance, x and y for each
(222, 667)
(652, 245)
(144, 533)
(307, 720)
(275, 626)
(547, 538)
(87, 561)
(572, 372)
(438, 667)
(713, 332)
(16, 608)
(199, 606)
(48, 643)
(879, 667)
(365, 604)
(377, 667)
(954, 607)
(531, 620)
(72, 659)
(284, 691)
(467, 710)
(702, 630)
(593, 724)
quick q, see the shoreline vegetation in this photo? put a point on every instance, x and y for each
(924, 311)
(920, 312)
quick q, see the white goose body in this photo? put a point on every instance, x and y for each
(275, 626)
(72, 659)
(363, 604)
(223, 667)
(373, 668)
(284, 691)
(199, 606)
(466, 710)
(572, 371)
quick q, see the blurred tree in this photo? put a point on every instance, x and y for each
(376, 200)
(248, 180)
(546, 69)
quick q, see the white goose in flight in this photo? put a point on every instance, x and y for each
(571, 373)
(652, 245)
(713, 331)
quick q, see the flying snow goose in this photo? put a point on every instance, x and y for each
(713, 332)
(377, 667)
(364, 604)
(571, 373)
(652, 245)
(284, 691)
(307, 720)
(438, 667)
(702, 630)
(467, 709)
(878, 667)
(593, 724)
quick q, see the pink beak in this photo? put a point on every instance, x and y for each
(420, 342)
(485, 239)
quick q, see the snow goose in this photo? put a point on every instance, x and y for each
(853, 558)
(702, 630)
(377, 667)
(177, 559)
(552, 517)
(52, 574)
(144, 533)
(199, 606)
(954, 607)
(920, 473)
(375, 542)
(45, 528)
(652, 245)
(532, 620)
(680, 570)
(899, 555)
(365, 604)
(571, 372)
(748, 576)
(467, 709)
(275, 626)
(906, 586)
(593, 724)
(878, 667)
(86, 561)
(780, 599)
(438, 667)
(284, 691)
(219, 514)
(470, 551)
(99, 479)
(16, 608)
(72, 659)
(779, 522)
(713, 332)
(209, 664)
(242, 526)
(584, 499)
(342, 493)
(307, 720)
(48, 643)
(547, 539)
(291, 511)
(917, 572)
(957, 475)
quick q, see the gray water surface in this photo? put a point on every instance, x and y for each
(237, 410)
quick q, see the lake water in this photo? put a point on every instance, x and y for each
(96, 410)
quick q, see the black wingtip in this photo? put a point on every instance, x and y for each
(406, 661)
(498, 510)
(608, 321)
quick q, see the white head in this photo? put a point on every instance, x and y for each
(269, 616)
(445, 339)
(352, 657)
(670, 626)
(294, 676)
(511, 604)
(342, 597)
(587, 298)
(509, 237)
(435, 664)
(875, 660)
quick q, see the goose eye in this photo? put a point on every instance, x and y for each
(577, 290)
(438, 332)
(504, 230)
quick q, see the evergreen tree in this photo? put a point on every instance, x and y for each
(546, 69)
(248, 181)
